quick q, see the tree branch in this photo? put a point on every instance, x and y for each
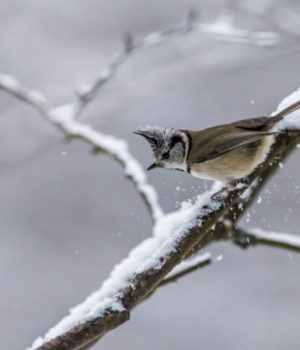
(63, 118)
(222, 29)
(186, 267)
(147, 277)
(247, 238)
(175, 235)
(162, 252)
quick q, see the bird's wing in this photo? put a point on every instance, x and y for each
(221, 144)
(254, 124)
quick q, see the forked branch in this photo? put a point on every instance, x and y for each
(176, 235)
(163, 252)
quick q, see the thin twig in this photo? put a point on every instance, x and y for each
(186, 267)
(251, 237)
(222, 29)
(88, 91)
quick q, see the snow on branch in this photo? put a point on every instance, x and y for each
(187, 266)
(281, 239)
(32, 97)
(136, 276)
(175, 235)
(63, 118)
(280, 19)
(222, 29)
(291, 121)
(248, 237)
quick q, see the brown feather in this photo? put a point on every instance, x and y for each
(217, 141)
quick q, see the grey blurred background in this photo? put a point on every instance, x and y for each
(66, 217)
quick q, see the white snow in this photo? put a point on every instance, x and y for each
(190, 263)
(291, 121)
(247, 193)
(219, 257)
(98, 309)
(10, 84)
(153, 38)
(224, 28)
(63, 117)
(167, 230)
(279, 237)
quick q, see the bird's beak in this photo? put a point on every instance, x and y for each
(152, 166)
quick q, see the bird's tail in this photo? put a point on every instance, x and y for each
(280, 115)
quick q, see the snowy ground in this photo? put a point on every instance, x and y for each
(68, 217)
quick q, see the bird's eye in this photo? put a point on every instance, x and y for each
(175, 139)
(165, 155)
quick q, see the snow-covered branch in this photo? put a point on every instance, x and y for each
(186, 267)
(282, 18)
(63, 118)
(175, 236)
(38, 101)
(223, 29)
(249, 237)
(138, 275)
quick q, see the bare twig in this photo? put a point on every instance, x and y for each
(222, 29)
(286, 21)
(281, 19)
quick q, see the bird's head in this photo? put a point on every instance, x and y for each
(169, 146)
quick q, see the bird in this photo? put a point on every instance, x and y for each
(227, 153)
